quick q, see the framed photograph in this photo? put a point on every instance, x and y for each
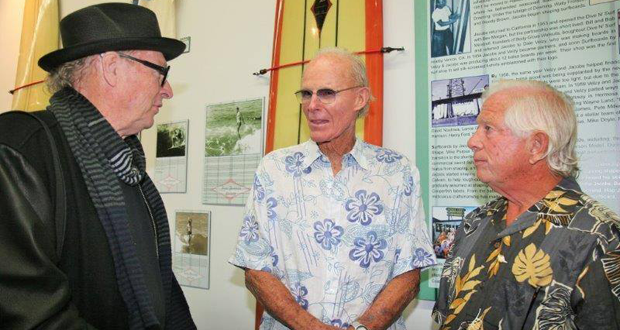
(171, 157)
(192, 244)
(450, 27)
(233, 149)
(457, 101)
(446, 220)
(188, 43)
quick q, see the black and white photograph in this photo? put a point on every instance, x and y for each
(171, 139)
(192, 234)
(457, 101)
(192, 248)
(450, 27)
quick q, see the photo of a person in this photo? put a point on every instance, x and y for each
(449, 27)
(171, 139)
(234, 128)
(192, 233)
(239, 118)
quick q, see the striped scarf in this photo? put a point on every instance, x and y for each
(103, 157)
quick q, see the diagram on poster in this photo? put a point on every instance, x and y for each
(171, 157)
(233, 148)
(192, 243)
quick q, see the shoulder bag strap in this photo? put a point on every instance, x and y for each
(60, 209)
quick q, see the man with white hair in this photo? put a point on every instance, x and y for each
(544, 255)
(334, 234)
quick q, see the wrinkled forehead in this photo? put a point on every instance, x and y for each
(330, 69)
(495, 106)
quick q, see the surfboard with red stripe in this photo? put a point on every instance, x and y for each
(303, 27)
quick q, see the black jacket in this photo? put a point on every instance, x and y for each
(37, 287)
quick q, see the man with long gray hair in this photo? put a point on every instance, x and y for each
(544, 255)
(85, 242)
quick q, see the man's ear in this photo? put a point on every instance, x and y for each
(538, 144)
(109, 67)
(363, 97)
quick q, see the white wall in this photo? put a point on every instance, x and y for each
(229, 41)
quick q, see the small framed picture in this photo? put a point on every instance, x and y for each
(188, 43)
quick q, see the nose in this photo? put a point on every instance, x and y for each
(474, 141)
(166, 90)
(313, 103)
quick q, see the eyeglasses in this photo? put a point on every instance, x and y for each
(162, 70)
(325, 95)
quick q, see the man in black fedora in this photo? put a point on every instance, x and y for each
(84, 237)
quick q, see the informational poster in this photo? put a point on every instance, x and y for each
(570, 44)
(233, 149)
(171, 157)
(192, 244)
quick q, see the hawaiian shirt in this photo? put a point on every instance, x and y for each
(557, 266)
(334, 241)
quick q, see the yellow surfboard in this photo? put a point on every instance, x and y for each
(303, 27)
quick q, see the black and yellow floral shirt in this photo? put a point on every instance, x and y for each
(557, 266)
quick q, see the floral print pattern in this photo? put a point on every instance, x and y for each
(271, 205)
(339, 324)
(259, 190)
(368, 250)
(408, 186)
(332, 239)
(422, 258)
(387, 156)
(300, 292)
(364, 207)
(327, 233)
(295, 163)
(249, 230)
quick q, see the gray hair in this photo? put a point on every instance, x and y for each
(68, 74)
(540, 107)
(357, 70)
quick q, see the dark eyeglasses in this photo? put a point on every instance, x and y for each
(325, 95)
(162, 70)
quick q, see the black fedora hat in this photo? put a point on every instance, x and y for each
(108, 27)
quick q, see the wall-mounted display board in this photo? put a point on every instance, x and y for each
(171, 157)
(192, 248)
(233, 148)
(572, 45)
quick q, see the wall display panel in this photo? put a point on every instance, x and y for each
(233, 149)
(572, 45)
(192, 248)
(171, 157)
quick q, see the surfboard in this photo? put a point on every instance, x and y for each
(303, 27)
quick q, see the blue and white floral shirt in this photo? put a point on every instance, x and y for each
(334, 241)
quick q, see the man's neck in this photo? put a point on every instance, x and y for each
(526, 193)
(335, 149)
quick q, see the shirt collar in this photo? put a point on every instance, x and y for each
(528, 218)
(313, 153)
